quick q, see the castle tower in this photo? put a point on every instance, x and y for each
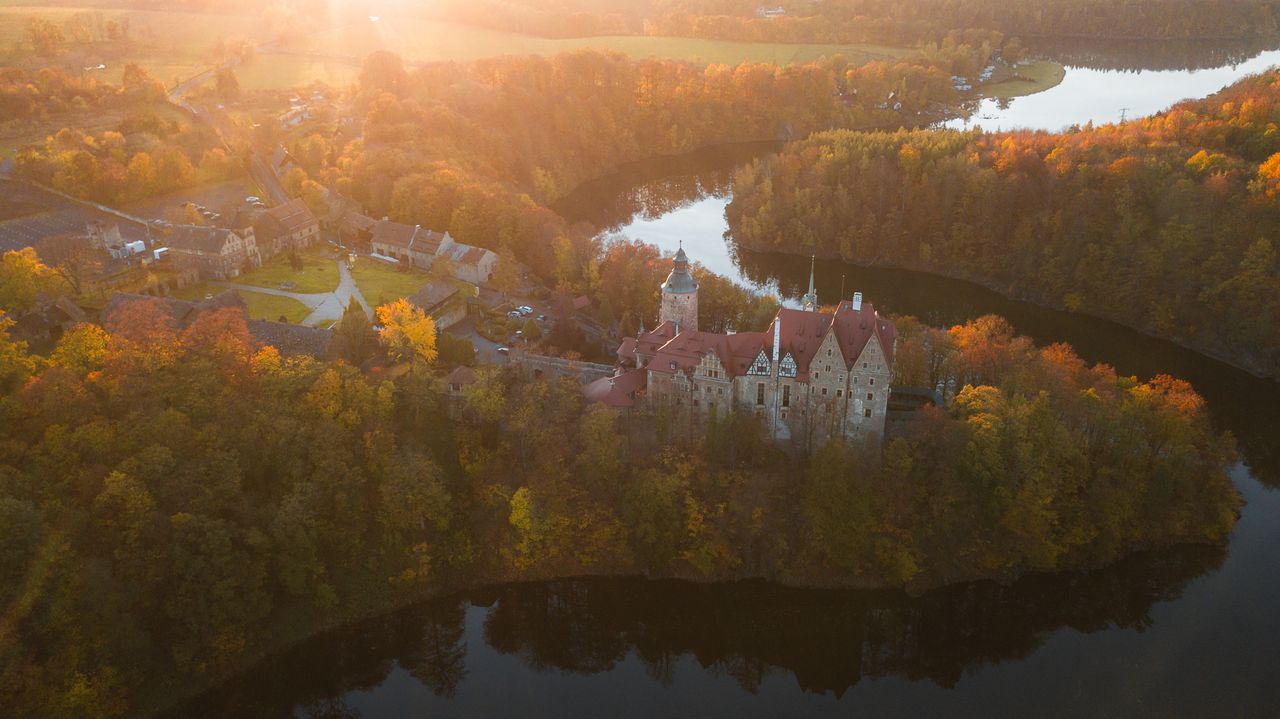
(809, 303)
(680, 295)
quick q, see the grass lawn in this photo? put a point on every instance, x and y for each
(260, 306)
(1040, 76)
(319, 272)
(380, 282)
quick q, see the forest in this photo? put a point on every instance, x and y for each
(1162, 224)
(177, 501)
(147, 152)
(482, 149)
(883, 22)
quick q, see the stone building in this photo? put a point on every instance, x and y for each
(213, 252)
(680, 296)
(285, 227)
(811, 375)
(416, 246)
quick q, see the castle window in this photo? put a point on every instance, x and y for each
(855, 379)
(839, 393)
(761, 365)
(824, 391)
(866, 412)
(841, 379)
(828, 351)
(864, 365)
(760, 393)
(786, 395)
(870, 396)
(784, 414)
(719, 390)
(872, 381)
(695, 401)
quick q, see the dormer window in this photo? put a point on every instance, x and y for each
(787, 368)
(761, 365)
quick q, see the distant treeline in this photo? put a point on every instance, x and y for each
(891, 22)
(482, 149)
(175, 501)
(1166, 224)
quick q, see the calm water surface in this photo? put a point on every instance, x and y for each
(1192, 632)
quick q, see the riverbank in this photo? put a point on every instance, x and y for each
(1217, 354)
(1197, 557)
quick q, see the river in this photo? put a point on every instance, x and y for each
(1187, 632)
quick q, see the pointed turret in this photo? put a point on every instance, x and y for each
(680, 295)
(809, 303)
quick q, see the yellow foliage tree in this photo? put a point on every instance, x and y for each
(407, 332)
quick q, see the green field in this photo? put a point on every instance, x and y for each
(175, 44)
(380, 282)
(319, 272)
(1040, 76)
(259, 306)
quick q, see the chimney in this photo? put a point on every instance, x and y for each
(857, 301)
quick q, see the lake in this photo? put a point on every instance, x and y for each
(1183, 632)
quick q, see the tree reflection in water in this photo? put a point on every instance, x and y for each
(827, 639)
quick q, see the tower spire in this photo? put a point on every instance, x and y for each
(809, 303)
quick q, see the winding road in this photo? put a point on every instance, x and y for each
(324, 306)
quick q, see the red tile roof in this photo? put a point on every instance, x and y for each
(617, 391)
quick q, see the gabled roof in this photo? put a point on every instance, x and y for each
(649, 342)
(288, 218)
(433, 294)
(618, 390)
(735, 352)
(414, 238)
(800, 335)
(292, 340)
(198, 238)
(854, 329)
(394, 233)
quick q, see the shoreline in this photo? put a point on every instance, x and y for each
(991, 286)
(172, 705)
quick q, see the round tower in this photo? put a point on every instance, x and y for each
(680, 295)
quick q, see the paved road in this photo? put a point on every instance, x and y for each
(324, 306)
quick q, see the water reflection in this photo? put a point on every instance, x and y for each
(1246, 406)
(1137, 55)
(1088, 95)
(826, 641)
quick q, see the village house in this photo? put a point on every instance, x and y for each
(214, 252)
(291, 226)
(810, 376)
(416, 246)
(444, 301)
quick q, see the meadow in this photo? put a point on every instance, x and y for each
(174, 45)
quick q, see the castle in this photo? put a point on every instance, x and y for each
(809, 376)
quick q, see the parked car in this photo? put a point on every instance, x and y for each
(503, 350)
(514, 313)
(541, 318)
(252, 199)
(525, 310)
